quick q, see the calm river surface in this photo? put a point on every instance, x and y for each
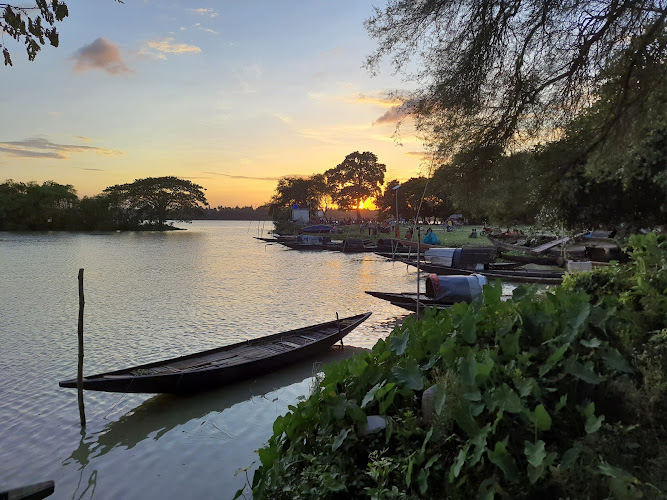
(151, 296)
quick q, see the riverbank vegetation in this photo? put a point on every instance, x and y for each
(558, 394)
(143, 204)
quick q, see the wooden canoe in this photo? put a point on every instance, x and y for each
(35, 491)
(224, 365)
(409, 301)
(510, 275)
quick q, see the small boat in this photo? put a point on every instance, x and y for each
(30, 492)
(224, 365)
(309, 242)
(510, 275)
(409, 301)
(441, 292)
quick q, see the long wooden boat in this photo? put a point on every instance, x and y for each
(510, 275)
(224, 365)
(35, 491)
(409, 301)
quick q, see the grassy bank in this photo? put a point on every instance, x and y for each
(560, 394)
(458, 238)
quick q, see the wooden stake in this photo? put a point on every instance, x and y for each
(419, 237)
(79, 375)
(338, 325)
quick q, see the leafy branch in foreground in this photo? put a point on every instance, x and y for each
(22, 25)
(498, 72)
(32, 25)
(559, 394)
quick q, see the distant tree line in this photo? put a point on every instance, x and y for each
(236, 213)
(143, 204)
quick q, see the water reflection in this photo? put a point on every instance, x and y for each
(160, 414)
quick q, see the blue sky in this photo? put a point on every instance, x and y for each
(232, 95)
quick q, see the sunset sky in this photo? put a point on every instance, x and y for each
(231, 95)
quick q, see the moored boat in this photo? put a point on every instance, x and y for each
(224, 365)
(548, 277)
(441, 292)
(30, 492)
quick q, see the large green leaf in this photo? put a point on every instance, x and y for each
(370, 395)
(503, 460)
(409, 375)
(439, 398)
(468, 327)
(467, 369)
(569, 458)
(505, 398)
(399, 341)
(615, 361)
(555, 358)
(542, 418)
(535, 453)
(584, 372)
(460, 459)
(338, 440)
(577, 313)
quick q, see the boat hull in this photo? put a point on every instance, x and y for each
(224, 365)
(513, 276)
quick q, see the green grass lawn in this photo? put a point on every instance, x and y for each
(458, 238)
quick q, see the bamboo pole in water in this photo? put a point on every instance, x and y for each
(419, 237)
(79, 375)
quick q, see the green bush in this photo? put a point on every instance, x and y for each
(560, 394)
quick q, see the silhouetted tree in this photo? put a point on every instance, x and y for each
(359, 177)
(159, 198)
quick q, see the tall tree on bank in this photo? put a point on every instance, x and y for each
(157, 199)
(359, 177)
(497, 73)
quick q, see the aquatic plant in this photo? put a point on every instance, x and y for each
(559, 394)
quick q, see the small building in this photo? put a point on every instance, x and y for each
(300, 215)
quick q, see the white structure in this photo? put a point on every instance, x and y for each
(300, 215)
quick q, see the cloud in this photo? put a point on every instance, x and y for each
(393, 115)
(204, 12)
(39, 147)
(101, 54)
(380, 99)
(283, 118)
(244, 177)
(166, 46)
(317, 135)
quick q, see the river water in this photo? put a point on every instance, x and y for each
(150, 296)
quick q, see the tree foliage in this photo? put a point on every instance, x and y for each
(359, 177)
(495, 71)
(158, 198)
(32, 25)
(303, 191)
(21, 24)
(31, 206)
(416, 196)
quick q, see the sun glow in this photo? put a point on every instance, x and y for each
(367, 204)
